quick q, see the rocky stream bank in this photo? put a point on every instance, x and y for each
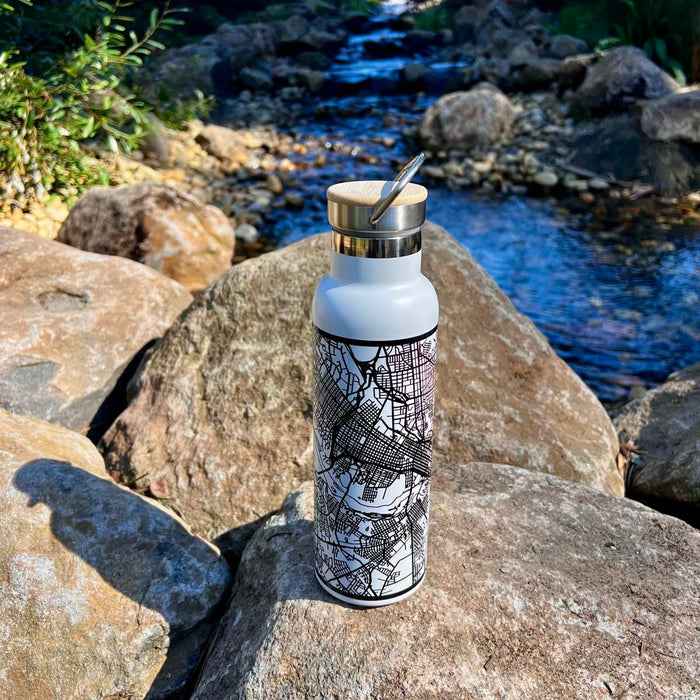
(155, 400)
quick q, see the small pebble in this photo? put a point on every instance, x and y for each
(247, 233)
(597, 183)
(546, 178)
(274, 183)
(293, 199)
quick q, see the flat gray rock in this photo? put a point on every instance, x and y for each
(536, 588)
(103, 593)
(71, 322)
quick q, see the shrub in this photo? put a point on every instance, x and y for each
(53, 100)
(669, 32)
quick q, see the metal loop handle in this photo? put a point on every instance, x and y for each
(402, 179)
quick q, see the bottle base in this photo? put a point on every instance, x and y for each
(370, 602)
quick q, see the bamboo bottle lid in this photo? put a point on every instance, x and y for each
(368, 192)
(351, 205)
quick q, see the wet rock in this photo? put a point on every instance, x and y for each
(481, 24)
(311, 80)
(619, 78)
(480, 117)
(356, 22)
(293, 199)
(316, 60)
(522, 53)
(616, 146)
(564, 45)
(403, 23)
(545, 178)
(205, 66)
(255, 79)
(274, 184)
(414, 73)
(521, 567)
(539, 74)
(572, 71)
(418, 40)
(673, 118)
(103, 593)
(247, 233)
(234, 376)
(597, 183)
(164, 228)
(327, 42)
(465, 24)
(245, 44)
(664, 425)
(291, 35)
(73, 322)
(495, 71)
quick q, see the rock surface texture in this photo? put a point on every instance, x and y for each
(616, 146)
(103, 593)
(476, 118)
(673, 118)
(616, 80)
(536, 588)
(168, 230)
(222, 413)
(71, 322)
(664, 425)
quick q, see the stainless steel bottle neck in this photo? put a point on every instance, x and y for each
(385, 246)
(396, 234)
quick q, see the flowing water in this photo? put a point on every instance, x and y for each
(620, 306)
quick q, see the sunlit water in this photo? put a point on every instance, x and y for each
(619, 313)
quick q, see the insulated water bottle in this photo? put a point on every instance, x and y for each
(375, 320)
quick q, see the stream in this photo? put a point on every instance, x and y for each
(620, 305)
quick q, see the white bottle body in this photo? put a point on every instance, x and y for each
(374, 367)
(375, 298)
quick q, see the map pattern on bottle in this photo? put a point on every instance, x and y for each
(373, 426)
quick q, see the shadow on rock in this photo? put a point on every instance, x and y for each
(140, 550)
(280, 553)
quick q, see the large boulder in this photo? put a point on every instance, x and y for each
(73, 321)
(536, 588)
(473, 119)
(673, 118)
(103, 593)
(664, 427)
(230, 387)
(616, 146)
(168, 230)
(619, 78)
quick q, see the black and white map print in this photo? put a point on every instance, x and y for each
(373, 426)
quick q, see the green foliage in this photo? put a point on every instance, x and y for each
(174, 110)
(433, 19)
(664, 30)
(55, 101)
